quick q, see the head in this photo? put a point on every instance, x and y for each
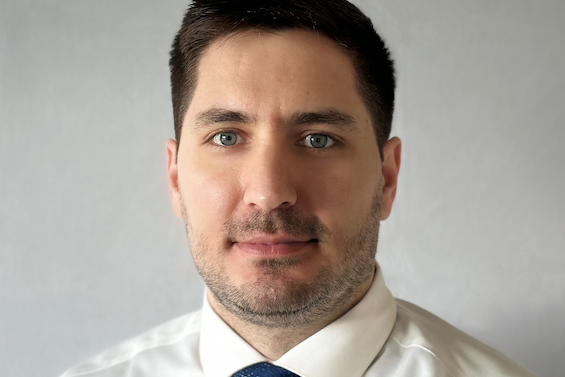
(282, 168)
(207, 21)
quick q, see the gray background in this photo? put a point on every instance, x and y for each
(91, 253)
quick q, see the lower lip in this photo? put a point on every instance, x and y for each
(273, 250)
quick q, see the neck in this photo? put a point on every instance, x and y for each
(275, 342)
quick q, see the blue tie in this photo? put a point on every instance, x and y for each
(264, 370)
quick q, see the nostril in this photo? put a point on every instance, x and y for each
(268, 193)
(285, 204)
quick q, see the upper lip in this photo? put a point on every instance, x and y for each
(273, 239)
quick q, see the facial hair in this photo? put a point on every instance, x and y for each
(283, 303)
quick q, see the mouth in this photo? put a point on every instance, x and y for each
(274, 245)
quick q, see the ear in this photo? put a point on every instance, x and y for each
(172, 176)
(390, 170)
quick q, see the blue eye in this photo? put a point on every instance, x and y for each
(318, 141)
(226, 139)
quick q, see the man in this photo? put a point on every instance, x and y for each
(282, 169)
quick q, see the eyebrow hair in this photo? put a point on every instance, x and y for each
(218, 115)
(331, 117)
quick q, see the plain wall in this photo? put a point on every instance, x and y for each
(91, 253)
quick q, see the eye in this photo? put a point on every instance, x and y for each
(318, 141)
(226, 139)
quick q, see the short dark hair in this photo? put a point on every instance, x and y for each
(207, 20)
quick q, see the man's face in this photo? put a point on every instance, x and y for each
(278, 177)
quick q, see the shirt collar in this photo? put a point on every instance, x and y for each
(346, 347)
(222, 351)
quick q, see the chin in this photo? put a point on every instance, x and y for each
(274, 299)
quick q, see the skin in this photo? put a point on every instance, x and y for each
(284, 234)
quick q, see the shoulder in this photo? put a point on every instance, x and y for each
(161, 349)
(454, 352)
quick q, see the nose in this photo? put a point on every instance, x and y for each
(267, 179)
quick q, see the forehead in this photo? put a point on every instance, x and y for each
(277, 74)
(298, 47)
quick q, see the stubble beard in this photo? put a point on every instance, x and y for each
(275, 302)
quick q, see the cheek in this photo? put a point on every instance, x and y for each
(344, 197)
(210, 196)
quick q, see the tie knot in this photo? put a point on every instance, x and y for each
(264, 370)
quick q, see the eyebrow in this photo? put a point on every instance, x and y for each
(331, 117)
(215, 115)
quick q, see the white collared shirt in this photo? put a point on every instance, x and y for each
(380, 336)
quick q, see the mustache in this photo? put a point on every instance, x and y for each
(279, 220)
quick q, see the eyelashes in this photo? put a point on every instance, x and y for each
(315, 140)
(318, 141)
(226, 138)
